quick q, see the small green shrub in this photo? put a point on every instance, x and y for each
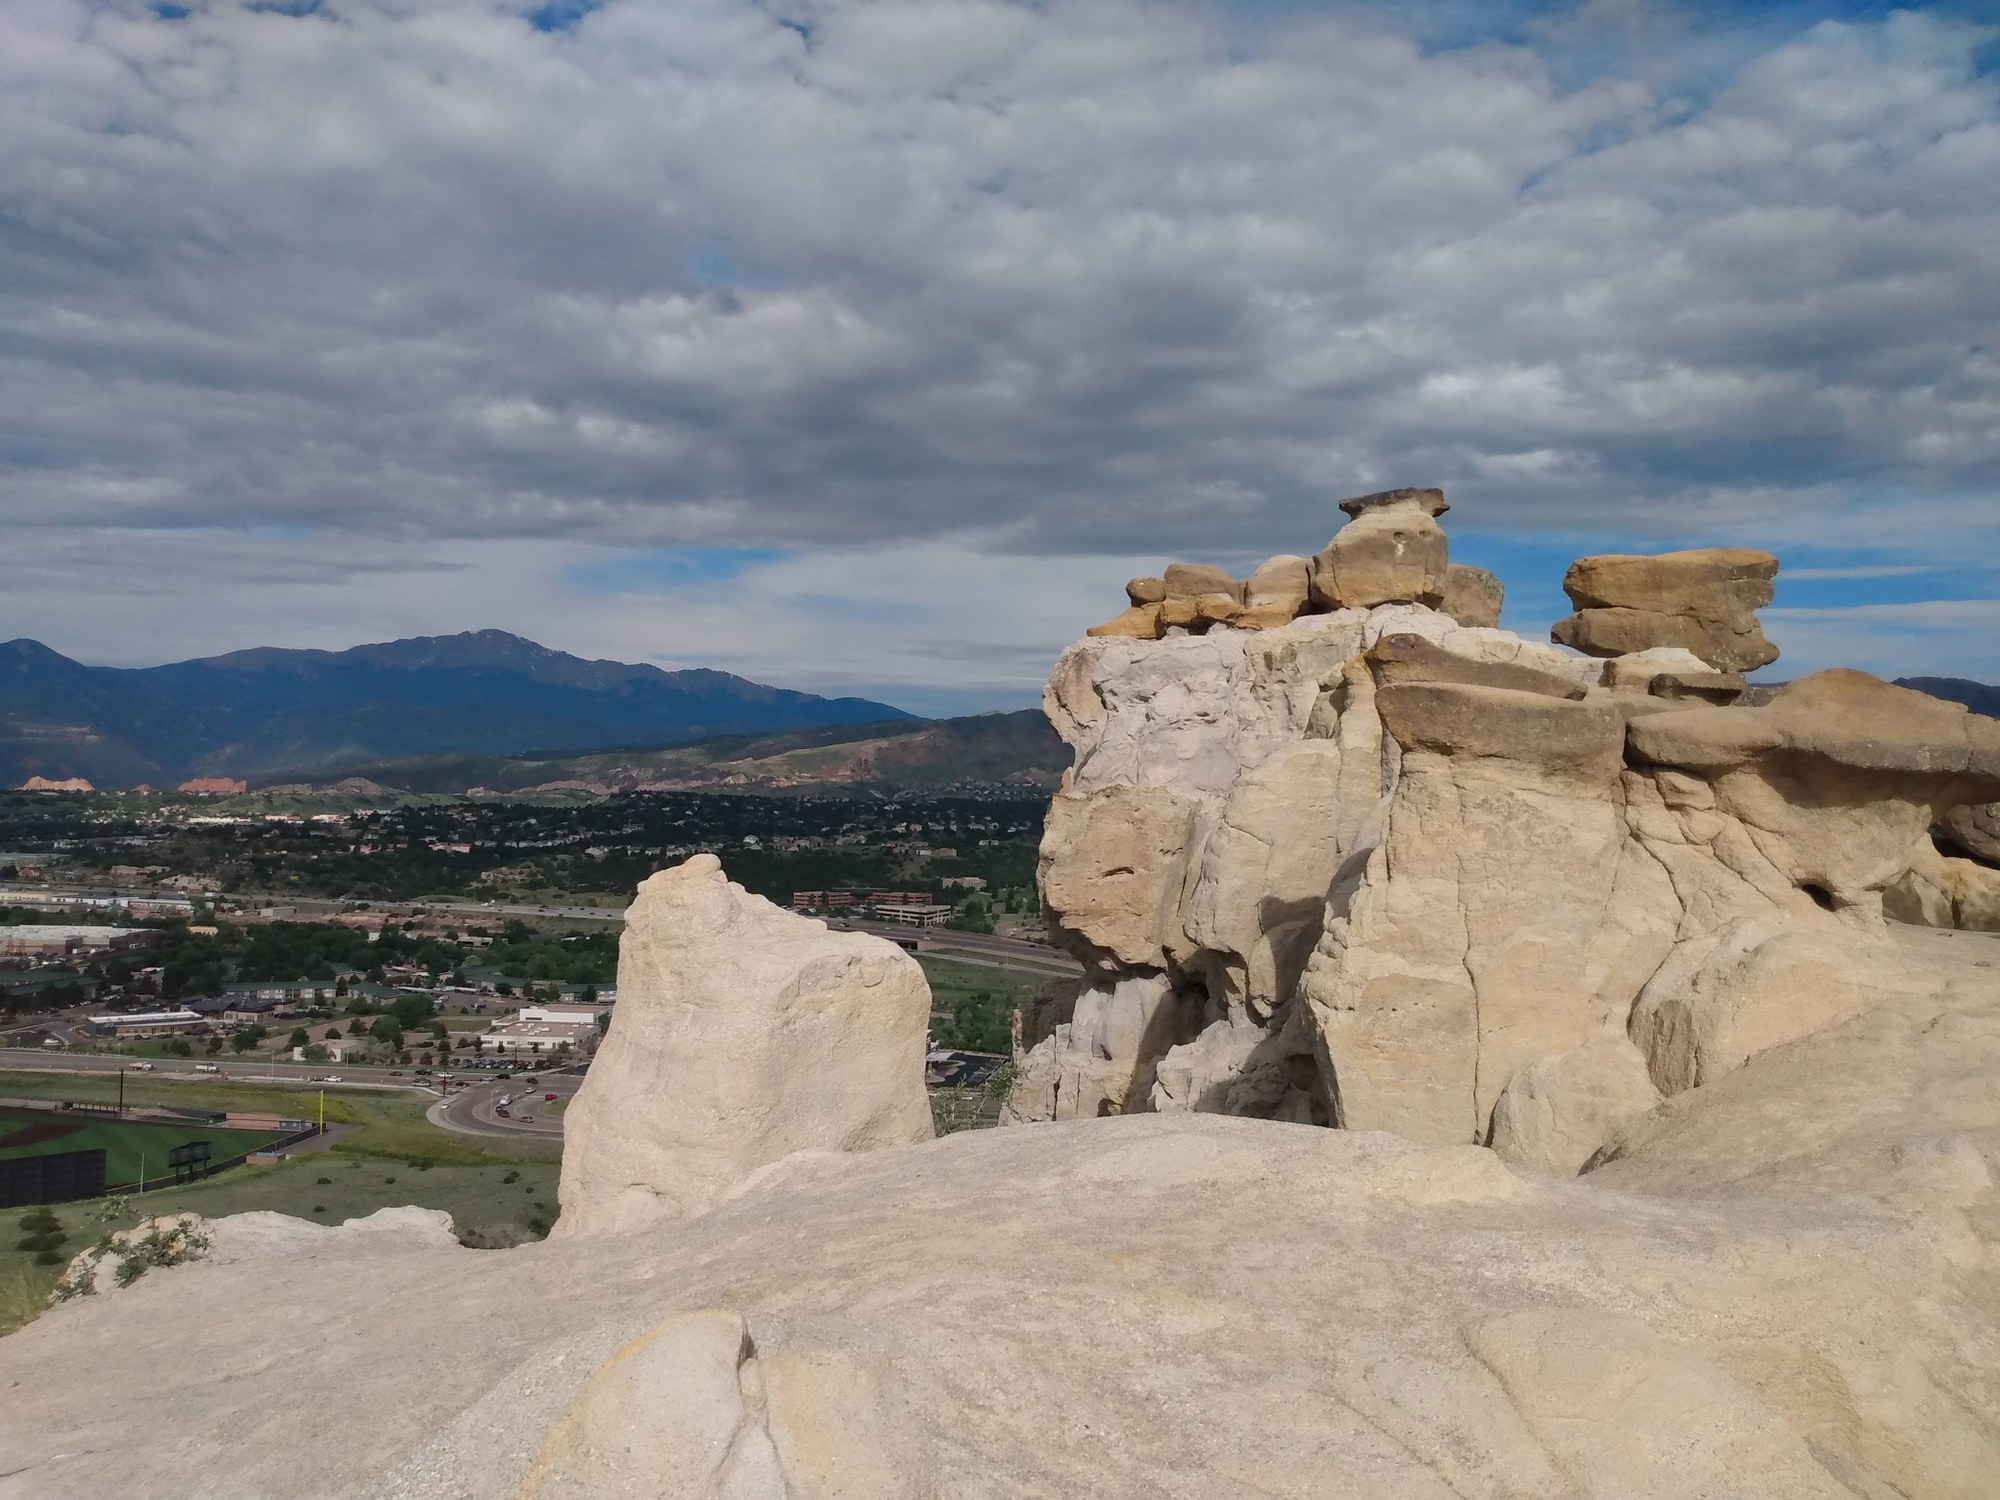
(50, 1258)
(325, 1182)
(511, 1177)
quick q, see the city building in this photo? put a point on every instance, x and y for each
(539, 1038)
(930, 914)
(148, 1023)
(38, 940)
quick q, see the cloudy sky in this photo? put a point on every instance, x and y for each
(869, 347)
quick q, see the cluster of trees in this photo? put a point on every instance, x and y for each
(576, 958)
(980, 1022)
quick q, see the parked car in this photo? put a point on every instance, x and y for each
(548, 1096)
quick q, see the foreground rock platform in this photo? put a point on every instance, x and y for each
(1781, 1286)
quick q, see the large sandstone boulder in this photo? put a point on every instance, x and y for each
(1111, 874)
(744, 1034)
(1391, 550)
(1276, 593)
(1975, 830)
(1704, 601)
(1939, 890)
(1471, 596)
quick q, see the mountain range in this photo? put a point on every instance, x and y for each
(1018, 749)
(252, 713)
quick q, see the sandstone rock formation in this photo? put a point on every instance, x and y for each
(1704, 600)
(744, 1034)
(1391, 551)
(1471, 596)
(1975, 830)
(62, 784)
(1374, 868)
(1772, 1287)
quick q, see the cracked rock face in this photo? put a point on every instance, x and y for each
(1383, 870)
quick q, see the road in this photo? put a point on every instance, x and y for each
(473, 1110)
(40, 1060)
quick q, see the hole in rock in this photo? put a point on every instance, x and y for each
(1822, 897)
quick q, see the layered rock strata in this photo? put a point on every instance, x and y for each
(1704, 601)
(1378, 869)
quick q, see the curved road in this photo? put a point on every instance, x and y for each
(473, 1110)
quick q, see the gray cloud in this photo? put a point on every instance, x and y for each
(1089, 278)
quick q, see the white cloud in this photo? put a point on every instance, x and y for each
(985, 288)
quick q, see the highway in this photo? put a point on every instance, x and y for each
(44, 1061)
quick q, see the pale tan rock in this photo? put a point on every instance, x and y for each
(1180, 612)
(1500, 917)
(1556, 1112)
(1471, 596)
(1110, 873)
(1101, 1060)
(1142, 591)
(1704, 601)
(1626, 1412)
(1757, 983)
(1392, 550)
(1940, 891)
(1192, 580)
(1635, 671)
(1141, 623)
(1719, 688)
(745, 1034)
(1974, 829)
(1753, 1280)
(1276, 593)
(1260, 886)
(1416, 658)
(1217, 609)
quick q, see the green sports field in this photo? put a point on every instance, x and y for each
(128, 1147)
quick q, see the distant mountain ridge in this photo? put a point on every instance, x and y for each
(252, 712)
(1012, 749)
(1980, 697)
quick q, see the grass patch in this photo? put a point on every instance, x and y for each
(490, 1186)
(129, 1147)
(952, 981)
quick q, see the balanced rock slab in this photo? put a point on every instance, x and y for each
(744, 1034)
(1391, 551)
(1704, 600)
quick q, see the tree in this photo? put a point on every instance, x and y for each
(242, 1041)
(298, 1038)
(355, 1028)
(212, 1046)
(316, 1053)
(386, 1031)
(180, 1048)
(589, 995)
(333, 1033)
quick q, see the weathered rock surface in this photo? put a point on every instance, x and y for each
(1192, 580)
(1704, 601)
(1776, 1286)
(1975, 830)
(1556, 1113)
(1391, 551)
(745, 1033)
(1276, 593)
(1939, 890)
(1141, 622)
(1416, 658)
(1471, 596)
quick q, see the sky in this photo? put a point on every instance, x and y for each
(870, 347)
